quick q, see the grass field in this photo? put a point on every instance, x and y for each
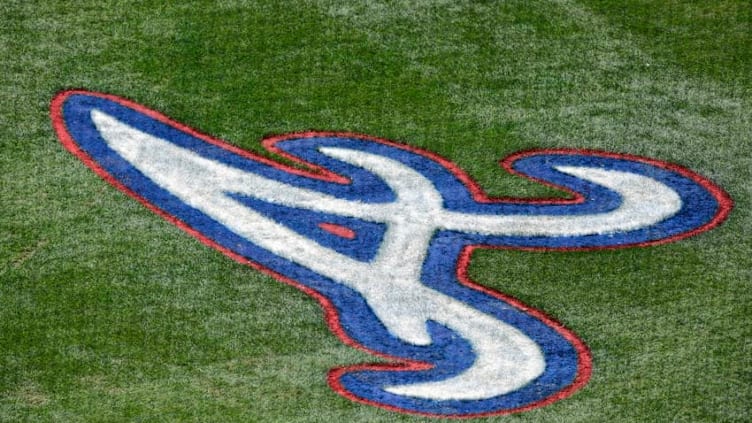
(109, 313)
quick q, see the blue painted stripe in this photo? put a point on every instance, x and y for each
(449, 353)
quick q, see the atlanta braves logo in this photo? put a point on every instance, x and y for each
(381, 235)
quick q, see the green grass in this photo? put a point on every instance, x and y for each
(108, 313)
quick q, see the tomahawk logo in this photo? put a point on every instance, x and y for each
(381, 235)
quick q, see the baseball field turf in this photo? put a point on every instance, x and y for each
(110, 313)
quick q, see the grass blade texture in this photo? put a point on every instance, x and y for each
(109, 313)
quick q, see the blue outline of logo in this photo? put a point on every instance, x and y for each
(568, 361)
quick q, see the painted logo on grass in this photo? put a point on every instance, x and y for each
(381, 234)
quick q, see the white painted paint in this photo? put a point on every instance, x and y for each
(506, 358)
